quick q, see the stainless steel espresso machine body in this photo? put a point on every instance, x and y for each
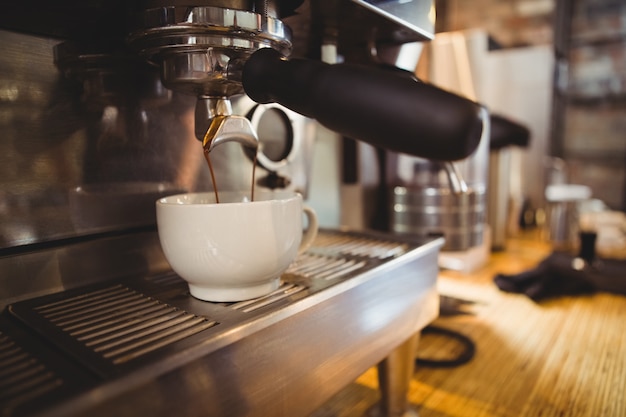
(105, 106)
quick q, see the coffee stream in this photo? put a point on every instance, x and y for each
(208, 160)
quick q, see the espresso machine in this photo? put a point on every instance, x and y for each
(106, 106)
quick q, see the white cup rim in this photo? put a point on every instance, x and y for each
(187, 199)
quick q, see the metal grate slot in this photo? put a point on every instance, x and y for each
(121, 324)
(360, 246)
(284, 291)
(68, 305)
(166, 280)
(22, 377)
(323, 267)
(109, 329)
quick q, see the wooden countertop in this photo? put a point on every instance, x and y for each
(565, 357)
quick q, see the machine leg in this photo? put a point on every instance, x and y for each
(394, 375)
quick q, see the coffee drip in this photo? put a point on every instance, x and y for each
(225, 127)
(214, 182)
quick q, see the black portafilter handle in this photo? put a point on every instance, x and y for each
(379, 106)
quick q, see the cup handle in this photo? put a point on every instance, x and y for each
(311, 232)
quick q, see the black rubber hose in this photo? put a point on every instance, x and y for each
(466, 355)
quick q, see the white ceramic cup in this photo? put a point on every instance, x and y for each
(236, 249)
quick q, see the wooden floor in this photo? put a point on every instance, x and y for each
(565, 357)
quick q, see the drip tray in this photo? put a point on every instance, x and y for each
(116, 327)
(110, 330)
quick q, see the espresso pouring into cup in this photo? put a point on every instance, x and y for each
(225, 127)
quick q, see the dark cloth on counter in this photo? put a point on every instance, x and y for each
(557, 276)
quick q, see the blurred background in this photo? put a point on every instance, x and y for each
(559, 67)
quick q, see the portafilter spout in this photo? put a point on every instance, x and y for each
(223, 126)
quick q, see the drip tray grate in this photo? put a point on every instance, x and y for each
(121, 324)
(31, 374)
(22, 376)
(368, 247)
(115, 325)
(324, 267)
(283, 292)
